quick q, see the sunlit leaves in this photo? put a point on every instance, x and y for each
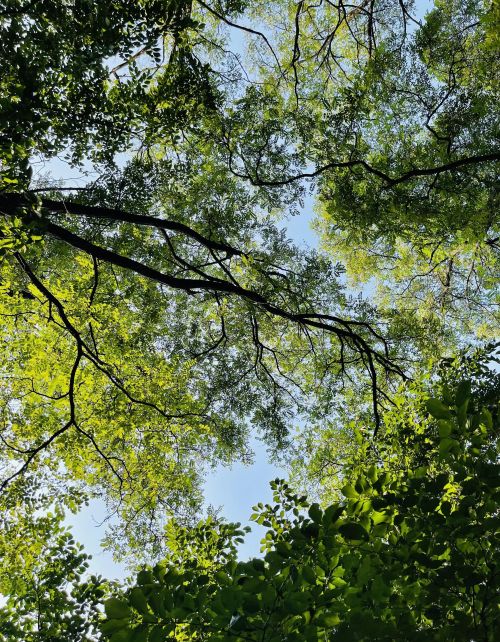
(45, 588)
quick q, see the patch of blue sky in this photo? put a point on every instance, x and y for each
(231, 489)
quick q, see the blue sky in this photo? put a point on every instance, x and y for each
(233, 490)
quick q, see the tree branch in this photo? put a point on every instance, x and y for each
(391, 181)
(10, 201)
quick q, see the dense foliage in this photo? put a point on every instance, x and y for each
(43, 572)
(155, 318)
(409, 553)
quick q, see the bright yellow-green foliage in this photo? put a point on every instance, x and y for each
(42, 572)
(130, 390)
(126, 423)
(446, 288)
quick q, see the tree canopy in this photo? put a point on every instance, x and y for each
(409, 553)
(156, 317)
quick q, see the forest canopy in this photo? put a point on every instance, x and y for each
(155, 317)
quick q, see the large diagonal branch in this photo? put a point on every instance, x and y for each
(345, 332)
(12, 201)
(109, 256)
(211, 283)
(187, 284)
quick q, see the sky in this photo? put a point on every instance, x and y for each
(233, 489)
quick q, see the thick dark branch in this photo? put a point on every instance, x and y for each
(391, 181)
(11, 201)
(215, 285)
(448, 167)
(51, 298)
(344, 330)
(296, 51)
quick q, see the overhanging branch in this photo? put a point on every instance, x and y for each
(391, 181)
(356, 334)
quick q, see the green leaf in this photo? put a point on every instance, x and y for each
(116, 609)
(145, 577)
(447, 445)
(349, 491)
(231, 598)
(444, 428)
(268, 596)
(462, 415)
(109, 626)
(138, 600)
(486, 418)
(157, 634)
(156, 601)
(332, 514)
(463, 393)
(381, 517)
(379, 589)
(437, 409)
(365, 570)
(139, 634)
(315, 513)
(308, 574)
(296, 603)
(122, 636)
(251, 604)
(353, 530)
(283, 548)
(328, 619)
